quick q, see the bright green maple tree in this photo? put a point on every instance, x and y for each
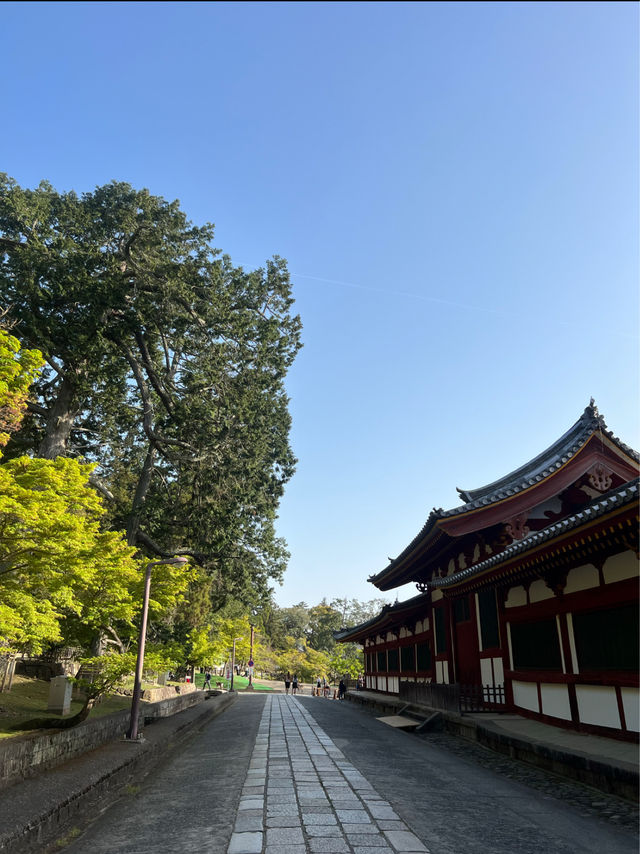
(56, 563)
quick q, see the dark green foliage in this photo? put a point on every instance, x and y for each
(166, 367)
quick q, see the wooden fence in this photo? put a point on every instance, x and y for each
(454, 698)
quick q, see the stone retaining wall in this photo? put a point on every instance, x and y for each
(26, 755)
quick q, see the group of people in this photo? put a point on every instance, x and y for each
(292, 683)
(320, 689)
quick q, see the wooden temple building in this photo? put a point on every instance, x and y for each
(528, 591)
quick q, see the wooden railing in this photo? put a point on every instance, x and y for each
(454, 698)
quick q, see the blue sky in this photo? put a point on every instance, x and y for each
(454, 185)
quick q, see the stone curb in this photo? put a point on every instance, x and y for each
(611, 776)
(38, 812)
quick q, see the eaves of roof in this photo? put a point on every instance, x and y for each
(524, 478)
(625, 495)
(387, 615)
(537, 469)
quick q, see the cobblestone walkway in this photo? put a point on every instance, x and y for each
(302, 796)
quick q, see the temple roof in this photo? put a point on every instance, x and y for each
(543, 465)
(618, 499)
(388, 616)
(528, 476)
(623, 496)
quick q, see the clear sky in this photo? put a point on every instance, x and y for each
(454, 185)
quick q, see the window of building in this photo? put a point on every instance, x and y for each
(536, 646)
(423, 651)
(461, 611)
(407, 659)
(393, 659)
(440, 628)
(382, 662)
(488, 613)
(608, 639)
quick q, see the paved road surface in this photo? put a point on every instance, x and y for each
(283, 775)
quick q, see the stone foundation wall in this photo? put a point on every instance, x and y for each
(26, 755)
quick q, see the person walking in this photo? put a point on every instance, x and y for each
(342, 690)
(294, 686)
(287, 682)
(207, 681)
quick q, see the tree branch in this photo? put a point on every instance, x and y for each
(145, 540)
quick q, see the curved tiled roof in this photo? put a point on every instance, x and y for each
(379, 620)
(528, 475)
(623, 495)
(554, 457)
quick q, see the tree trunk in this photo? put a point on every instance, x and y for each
(60, 421)
(144, 481)
(98, 644)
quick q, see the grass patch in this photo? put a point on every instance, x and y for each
(69, 837)
(29, 698)
(239, 683)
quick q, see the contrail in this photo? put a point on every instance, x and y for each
(451, 303)
(409, 294)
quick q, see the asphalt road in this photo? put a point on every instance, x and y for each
(452, 804)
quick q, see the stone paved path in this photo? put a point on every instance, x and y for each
(301, 795)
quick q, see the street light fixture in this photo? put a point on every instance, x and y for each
(132, 734)
(233, 660)
(250, 685)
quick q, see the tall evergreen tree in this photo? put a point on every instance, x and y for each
(165, 367)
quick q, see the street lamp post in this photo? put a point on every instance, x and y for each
(250, 685)
(132, 734)
(233, 661)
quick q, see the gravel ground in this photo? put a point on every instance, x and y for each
(589, 801)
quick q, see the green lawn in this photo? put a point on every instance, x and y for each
(239, 683)
(29, 697)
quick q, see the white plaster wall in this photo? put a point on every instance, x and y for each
(509, 645)
(555, 701)
(525, 695)
(419, 627)
(597, 704)
(517, 596)
(553, 504)
(582, 578)
(572, 644)
(403, 633)
(631, 705)
(564, 663)
(539, 591)
(478, 629)
(498, 671)
(436, 595)
(486, 671)
(442, 672)
(392, 683)
(425, 624)
(619, 567)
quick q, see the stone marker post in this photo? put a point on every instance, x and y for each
(60, 695)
